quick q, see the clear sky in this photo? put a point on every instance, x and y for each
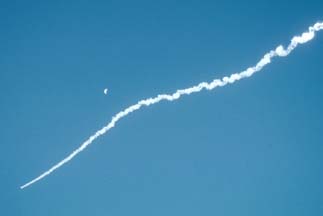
(252, 148)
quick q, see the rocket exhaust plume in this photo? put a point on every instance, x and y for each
(280, 51)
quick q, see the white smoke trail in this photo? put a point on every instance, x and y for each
(279, 51)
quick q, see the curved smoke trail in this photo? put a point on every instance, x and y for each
(266, 59)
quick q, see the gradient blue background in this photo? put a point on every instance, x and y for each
(252, 148)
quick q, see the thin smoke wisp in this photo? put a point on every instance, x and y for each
(279, 51)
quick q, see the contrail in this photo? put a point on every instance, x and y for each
(266, 59)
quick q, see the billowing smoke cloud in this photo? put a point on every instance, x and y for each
(266, 59)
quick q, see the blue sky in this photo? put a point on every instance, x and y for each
(252, 148)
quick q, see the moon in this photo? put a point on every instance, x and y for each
(105, 91)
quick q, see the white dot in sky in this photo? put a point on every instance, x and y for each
(105, 91)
